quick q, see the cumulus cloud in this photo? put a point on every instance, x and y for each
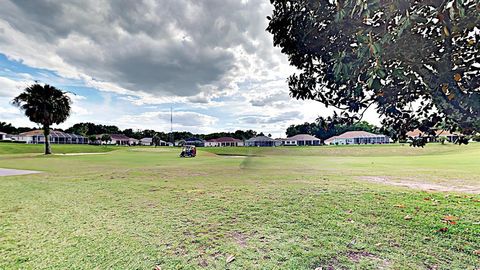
(196, 49)
(181, 119)
(10, 88)
(78, 106)
(265, 119)
(269, 100)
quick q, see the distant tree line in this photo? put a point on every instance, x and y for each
(88, 129)
(10, 129)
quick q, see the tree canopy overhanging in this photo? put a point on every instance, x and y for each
(416, 62)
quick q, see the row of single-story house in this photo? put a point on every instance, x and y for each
(121, 139)
(363, 137)
(449, 136)
(60, 137)
(117, 139)
(56, 137)
(147, 141)
(352, 137)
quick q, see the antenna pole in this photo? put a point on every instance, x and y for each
(171, 126)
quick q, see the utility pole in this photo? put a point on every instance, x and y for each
(171, 127)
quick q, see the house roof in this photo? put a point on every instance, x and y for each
(3, 133)
(440, 132)
(224, 139)
(148, 140)
(53, 133)
(260, 139)
(32, 132)
(357, 134)
(414, 133)
(303, 137)
(329, 140)
(119, 137)
(193, 139)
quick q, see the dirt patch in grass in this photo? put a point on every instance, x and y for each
(357, 256)
(422, 185)
(240, 238)
(203, 263)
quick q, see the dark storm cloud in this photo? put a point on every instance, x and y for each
(172, 47)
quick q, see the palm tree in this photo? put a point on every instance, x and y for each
(45, 105)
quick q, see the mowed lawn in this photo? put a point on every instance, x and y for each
(351, 207)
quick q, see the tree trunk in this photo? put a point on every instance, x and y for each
(46, 133)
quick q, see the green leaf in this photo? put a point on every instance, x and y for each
(376, 48)
(337, 68)
(376, 84)
(370, 82)
(381, 73)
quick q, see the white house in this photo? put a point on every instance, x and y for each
(133, 141)
(358, 137)
(56, 137)
(146, 141)
(262, 141)
(330, 140)
(301, 140)
(3, 135)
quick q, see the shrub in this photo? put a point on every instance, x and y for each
(442, 140)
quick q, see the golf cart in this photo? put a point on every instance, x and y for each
(188, 151)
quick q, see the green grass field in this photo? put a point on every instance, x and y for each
(13, 148)
(350, 207)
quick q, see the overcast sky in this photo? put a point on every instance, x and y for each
(127, 63)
